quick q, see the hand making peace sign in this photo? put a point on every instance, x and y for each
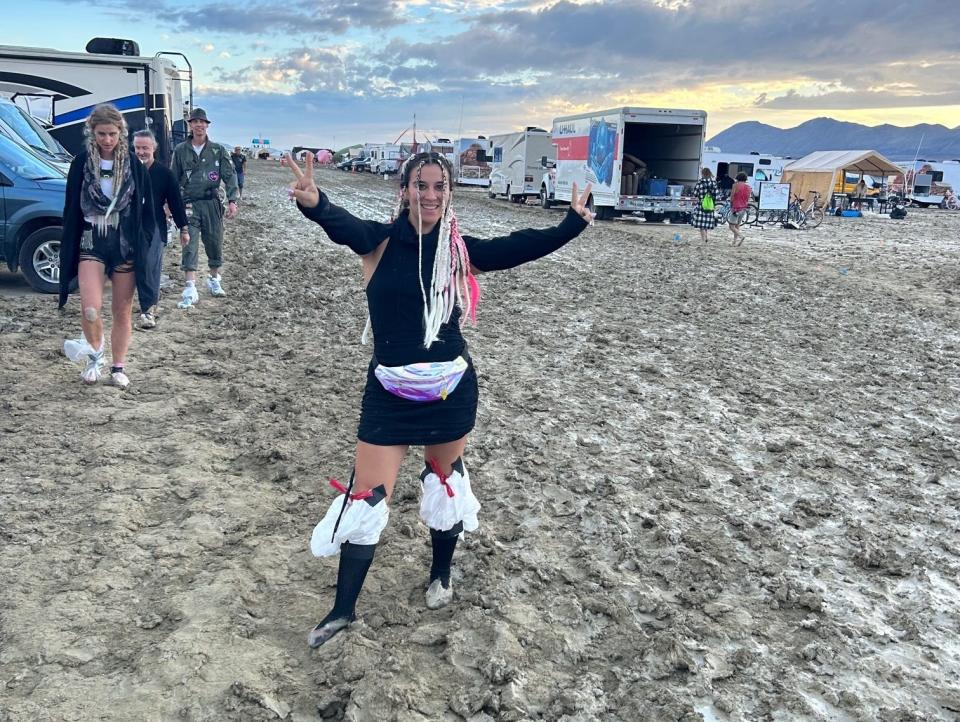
(579, 205)
(304, 190)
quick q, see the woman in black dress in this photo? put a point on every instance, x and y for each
(421, 387)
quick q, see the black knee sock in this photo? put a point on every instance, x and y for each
(444, 544)
(355, 560)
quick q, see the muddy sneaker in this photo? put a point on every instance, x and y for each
(91, 373)
(189, 297)
(147, 320)
(118, 378)
(439, 596)
(322, 633)
(213, 285)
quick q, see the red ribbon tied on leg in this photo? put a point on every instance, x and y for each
(353, 497)
(435, 468)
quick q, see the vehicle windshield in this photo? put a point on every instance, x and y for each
(24, 163)
(29, 130)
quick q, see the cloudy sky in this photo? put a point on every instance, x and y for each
(345, 71)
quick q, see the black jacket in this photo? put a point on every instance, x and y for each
(139, 228)
(166, 190)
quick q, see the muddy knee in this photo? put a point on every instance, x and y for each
(91, 314)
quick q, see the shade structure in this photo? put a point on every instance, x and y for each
(819, 170)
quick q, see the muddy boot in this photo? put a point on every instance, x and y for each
(355, 560)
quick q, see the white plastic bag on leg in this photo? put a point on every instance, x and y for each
(359, 524)
(447, 500)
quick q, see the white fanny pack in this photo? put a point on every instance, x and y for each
(430, 381)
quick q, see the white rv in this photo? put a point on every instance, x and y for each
(519, 162)
(758, 167)
(639, 160)
(927, 181)
(147, 90)
(384, 158)
(472, 162)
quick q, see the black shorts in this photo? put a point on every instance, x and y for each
(106, 252)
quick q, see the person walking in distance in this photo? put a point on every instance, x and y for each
(739, 202)
(108, 226)
(200, 166)
(421, 386)
(704, 219)
(240, 166)
(165, 192)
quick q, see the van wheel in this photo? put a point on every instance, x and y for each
(40, 259)
(544, 198)
(491, 194)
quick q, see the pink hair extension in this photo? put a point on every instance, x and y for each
(461, 270)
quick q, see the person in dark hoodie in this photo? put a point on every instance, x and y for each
(165, 191)
(108, 225)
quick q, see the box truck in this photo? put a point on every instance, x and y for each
(641, 161)
(519, 162)
(472, 167)
(149, 91)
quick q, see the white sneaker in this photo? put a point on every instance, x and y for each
(91, 373)
(147, 320)
(439, 596)
(119, 379)
(213, 284)
(189, 297)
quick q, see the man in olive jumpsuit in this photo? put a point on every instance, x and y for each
(200, 165)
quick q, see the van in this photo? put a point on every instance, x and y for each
(20, 126)
(32, 195)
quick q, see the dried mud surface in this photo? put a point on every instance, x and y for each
(718, 484)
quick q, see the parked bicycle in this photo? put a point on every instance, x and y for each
(795, 215)
(951, 201)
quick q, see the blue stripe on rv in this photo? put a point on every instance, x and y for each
(131, 102)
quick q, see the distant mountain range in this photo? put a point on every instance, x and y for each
(939, 142)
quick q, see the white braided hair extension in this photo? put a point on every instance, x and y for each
(451, 268)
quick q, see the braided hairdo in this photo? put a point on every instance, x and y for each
(106, 114)
(452, 283)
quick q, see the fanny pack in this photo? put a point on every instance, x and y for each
(430, 381)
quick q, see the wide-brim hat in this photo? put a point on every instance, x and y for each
(198, 114)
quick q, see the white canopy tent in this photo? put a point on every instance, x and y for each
(819, 171)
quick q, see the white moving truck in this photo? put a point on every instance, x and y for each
(472, 166)
(147, 90)
(519, 162)
(641, 161)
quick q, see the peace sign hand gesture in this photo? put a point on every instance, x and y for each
(579, 204)
(304, 190)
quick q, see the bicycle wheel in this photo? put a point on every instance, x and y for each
(814, 217)
(751, 218)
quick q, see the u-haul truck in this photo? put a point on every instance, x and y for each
(641, 161)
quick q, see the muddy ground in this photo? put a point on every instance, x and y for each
(718, 483)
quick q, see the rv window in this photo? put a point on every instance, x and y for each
(498, 154)
(764, 161)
